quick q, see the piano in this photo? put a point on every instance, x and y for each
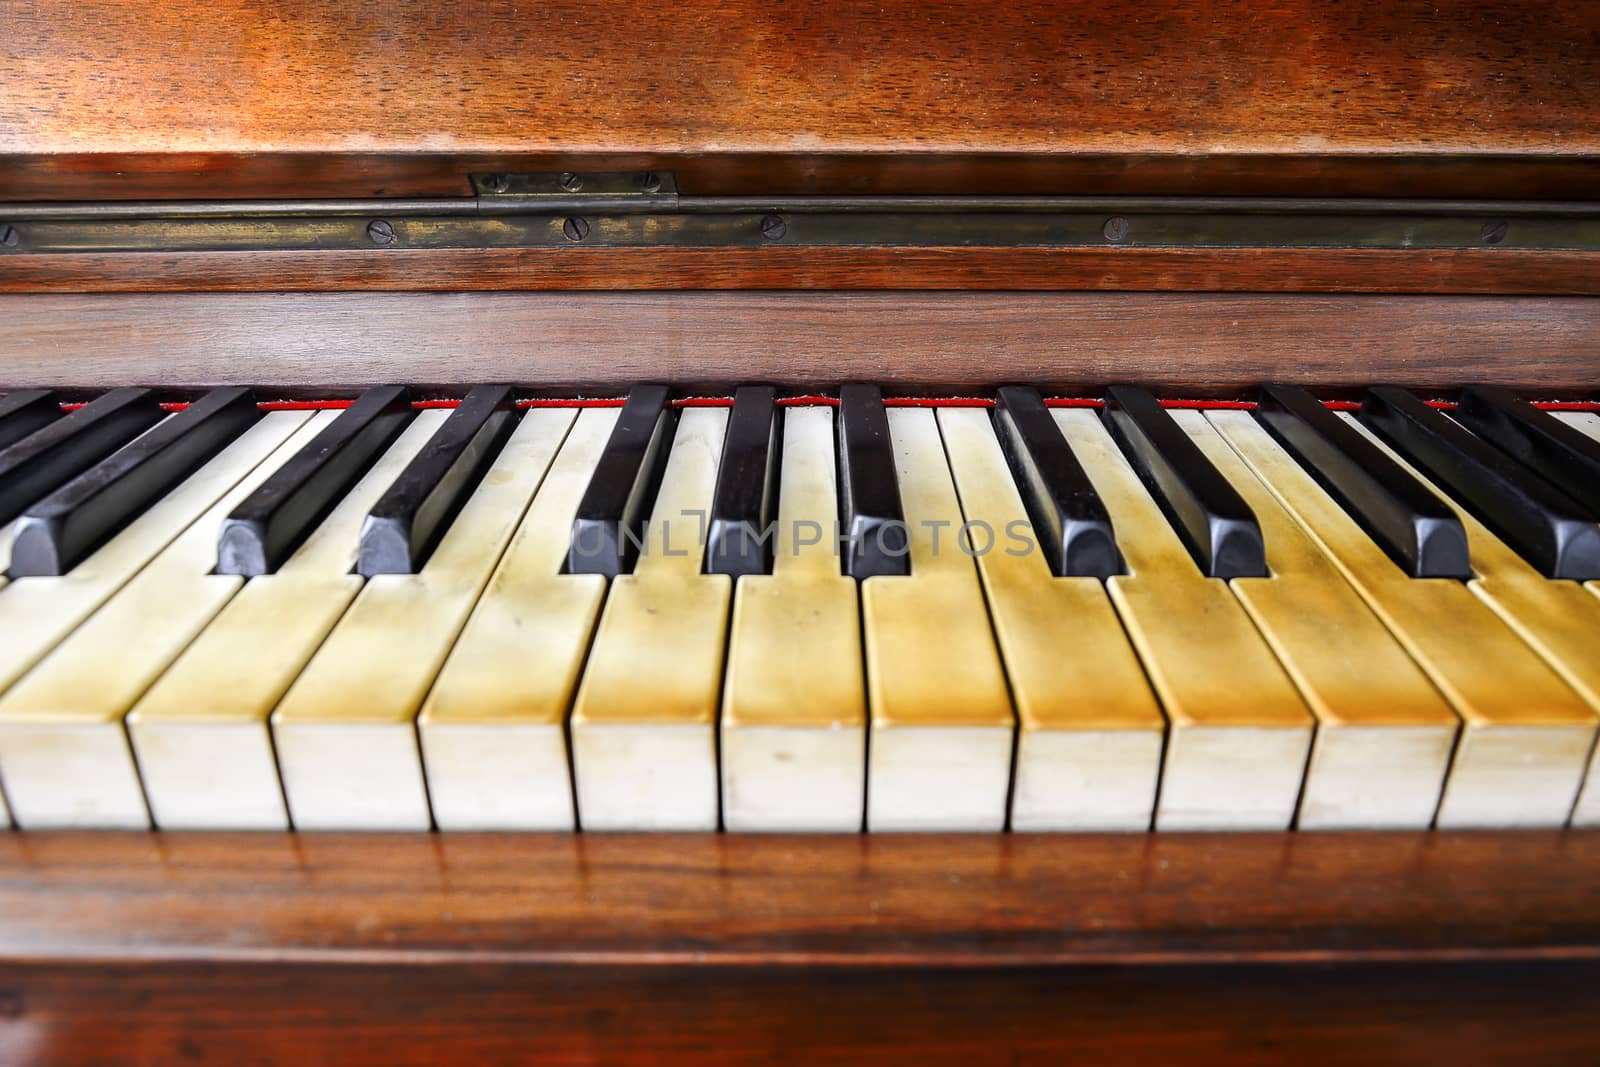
(898, 533)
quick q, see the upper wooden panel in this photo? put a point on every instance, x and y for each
(364, 97)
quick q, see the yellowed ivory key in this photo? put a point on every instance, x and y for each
(1090, 730)
(64, 753)
(1384, 733)
(494, 726)
(1239, 732)
(794, 700)
(346, 730)
(1525, 734)
(1559, 619)
(36, 613)
(942, 726)
(643, 729)
(201, 734)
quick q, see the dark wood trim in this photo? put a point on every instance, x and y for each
(401, 950)
(268, 173)
(1313, 270)
(1183, 344)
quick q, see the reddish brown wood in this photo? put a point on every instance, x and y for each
(981, 900)
(1476, 270)
(394, 950)
(1202, 344)
(1293, 97)
(155, 1015)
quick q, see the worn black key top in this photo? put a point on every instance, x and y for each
(53, 535)
(47, 459)
(1213, 520)
(870, 513)
(1541, 523)
(608, 527)
(412, 515)
(1419, 531)
(1071, 523)
(270, 523)
(26, 412)
(739, 538)
(1561, 454)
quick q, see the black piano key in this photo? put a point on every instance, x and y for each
(1071, 523)
(1419, 531)
(739, 538)
(870, 513)
(1213, 520)
(609, 525)
(270, 523)
(47, 459)
(1564, 456)
(412, 515)
(54, 534)
(1541, 523)
(26, 412)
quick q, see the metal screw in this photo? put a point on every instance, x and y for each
(569, 181)
(496, 183)
(650, 182)
(575, 229)
(1494, 231)
(380, 232)
(8, 235)
(1116, 228)
(773, 227)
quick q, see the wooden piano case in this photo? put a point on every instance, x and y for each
(344, 949)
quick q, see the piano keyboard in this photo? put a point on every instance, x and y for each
(799, 614)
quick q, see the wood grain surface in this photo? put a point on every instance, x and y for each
(224, 97)
(1198, 344)
(419, 949)
(1350, 270)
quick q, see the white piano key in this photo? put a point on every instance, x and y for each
(643, 727)
(200, 733)
(1090, 730)
(64, 752)
(1384, 733)
(1586, 422)
(493, 728)
(794, 698)
(1239, 732)
(1562, 624)
(346, 731)
(939, 757)
(1525, 734)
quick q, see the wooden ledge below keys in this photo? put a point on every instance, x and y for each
(1183, 948)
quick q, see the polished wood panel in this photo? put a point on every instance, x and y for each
(1194, 344)
(398, 950)
(989, 900)
(1353, 270)
(109, 99)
